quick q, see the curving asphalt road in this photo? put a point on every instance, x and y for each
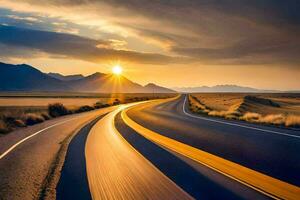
(257, 147)
(73, 183)
(198, 180)
(116, 170)
(118, 155)
(151, 150)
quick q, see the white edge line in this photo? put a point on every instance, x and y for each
(32, 135)
(211, 167)
(232, 177)
(232, 124)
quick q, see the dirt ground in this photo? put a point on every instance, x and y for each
(279, 109)
(288, 103)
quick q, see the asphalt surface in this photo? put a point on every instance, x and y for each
(26, 168)
(116, 170)
(276, 155)
(196, 179)
(106, 159)
(73, 183)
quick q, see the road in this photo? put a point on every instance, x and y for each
(270, 153)
(73, 183)
(153, 150)
(126, 161)
(267, 150)
(29, 155)
(117, 171)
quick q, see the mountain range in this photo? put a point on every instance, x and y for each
(223, 88)
(27, 78)
(24, 77)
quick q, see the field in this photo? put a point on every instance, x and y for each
(22, 109)
(40, 101)
(278, 109)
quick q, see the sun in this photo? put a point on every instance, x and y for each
(117, 70)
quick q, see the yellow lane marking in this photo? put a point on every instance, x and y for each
(115, 170)
(267, 185)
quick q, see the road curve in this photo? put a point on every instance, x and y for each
(116, 170)
(173, 121)
(264, 184)
(154, 150)
(271, 154)
(29, 155)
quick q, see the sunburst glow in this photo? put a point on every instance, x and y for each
(117, 69)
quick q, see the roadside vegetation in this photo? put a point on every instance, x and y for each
(275, 109)
(17, 115)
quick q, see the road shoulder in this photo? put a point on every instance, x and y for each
(32, 169)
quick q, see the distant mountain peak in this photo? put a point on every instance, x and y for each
(158, 89)
(150, 85)
(96, 75)
(27, 78)
(66, 77)
(24, 65)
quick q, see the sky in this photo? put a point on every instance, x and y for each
(174, 43)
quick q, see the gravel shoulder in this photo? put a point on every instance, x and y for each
(32, 169)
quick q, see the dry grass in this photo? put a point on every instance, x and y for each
(19, 110)
(71, 99)
(3, 127)
(283, 103)
(225, 114)
(292, 120)
(275, 119)
(220, 101)
(250, 117)
(276, 109)
(32, 118)
(197, 106)
(43, 102)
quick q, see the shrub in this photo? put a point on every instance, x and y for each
(19, 123)
(217, 113)
(8, 120)
(273, 119)
(45, 116)
(231, 116)
(99, 104)
(292, 120)
(3, 127)
(33, 118)
(227, 114)
(84, 109)
(202, 111)
(116, 102)
(249, 116)
(12, 122)
(57, 109)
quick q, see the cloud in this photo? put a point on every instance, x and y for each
(73, 46)
(259, 51)
(227, 31)
(29, 19)
(118, 44)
